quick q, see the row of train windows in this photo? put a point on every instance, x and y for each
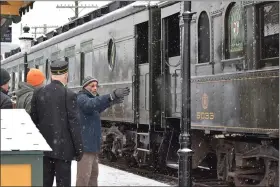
(268, 32)
(77, 71)
(18, 76)
(266, 26)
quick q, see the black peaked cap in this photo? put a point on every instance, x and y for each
(59, 67)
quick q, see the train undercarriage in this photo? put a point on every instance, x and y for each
(239, 159)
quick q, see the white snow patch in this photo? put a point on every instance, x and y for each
(109, 176)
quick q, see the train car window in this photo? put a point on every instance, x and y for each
(88, 64)
(82, 70)
(269, 31)
(13, 81)
(71, 69)
(234, 32)
(20, 76)
(41, 67)
(66, 59)
(172, 27)
(203, 38)
(55, 55)
(16, 80)
(31, 64)
(39, 62)
(111, 54)
(70, 57)
(142, 43)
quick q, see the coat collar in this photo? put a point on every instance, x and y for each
(24, 88)
(4, 91)
(58, 82)
(85, 91)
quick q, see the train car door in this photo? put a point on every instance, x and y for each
(171, 63)
(148, 69)
(142, 73)
(171, 86)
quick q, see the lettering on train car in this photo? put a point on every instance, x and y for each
(205, 115)
(204, 101)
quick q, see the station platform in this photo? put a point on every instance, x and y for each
(109, 176)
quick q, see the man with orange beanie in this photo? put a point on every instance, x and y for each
(35, 78)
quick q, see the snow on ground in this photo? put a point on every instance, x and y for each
(109, 176)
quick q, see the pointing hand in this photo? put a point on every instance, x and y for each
(120, 92)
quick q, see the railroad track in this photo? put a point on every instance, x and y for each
(210, 183)
(171, 179)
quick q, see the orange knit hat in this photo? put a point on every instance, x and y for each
(35, 77)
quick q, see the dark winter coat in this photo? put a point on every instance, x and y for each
(24, 95)
(5, 100)
(55, 113)
(90, 108)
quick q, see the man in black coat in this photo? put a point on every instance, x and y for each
(54, 111)
(5, 100)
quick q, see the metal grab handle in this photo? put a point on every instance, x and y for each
(175, 87)
(146, 92)
(133, 90)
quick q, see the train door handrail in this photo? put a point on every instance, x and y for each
(146, 92)
(133, 90)
(175, 94)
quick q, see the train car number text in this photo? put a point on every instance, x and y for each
(205, 115)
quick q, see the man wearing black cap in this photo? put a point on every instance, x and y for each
(91, 105)
(55, 113)
(5, 101)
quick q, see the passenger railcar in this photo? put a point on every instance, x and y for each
(235, 82)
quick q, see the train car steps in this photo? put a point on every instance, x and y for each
(144, 138)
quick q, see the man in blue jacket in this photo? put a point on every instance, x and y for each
(91, 105)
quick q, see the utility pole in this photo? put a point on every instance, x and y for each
(44, 27)
(185, 152)
(76, 8)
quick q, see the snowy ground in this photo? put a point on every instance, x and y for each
(109, 176)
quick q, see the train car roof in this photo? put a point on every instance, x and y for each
(163, 4)
(130, 8)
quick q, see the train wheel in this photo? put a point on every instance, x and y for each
(130, 161)
(159, 157)
(110, 156)
(264, 173)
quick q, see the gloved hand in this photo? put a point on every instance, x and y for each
(118, 101)
(120, 92)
